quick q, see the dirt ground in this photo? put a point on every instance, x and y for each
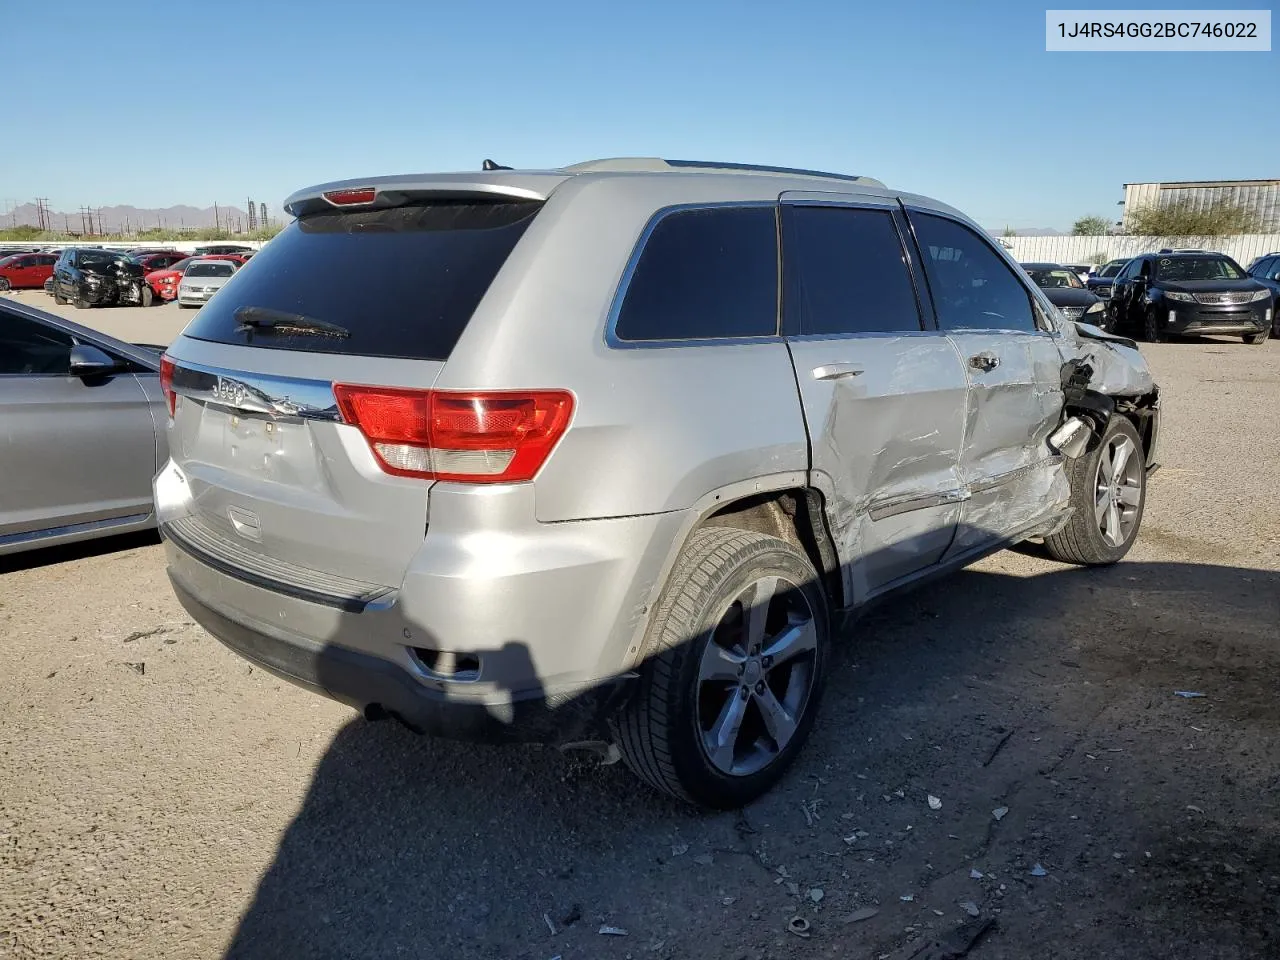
(160, 798)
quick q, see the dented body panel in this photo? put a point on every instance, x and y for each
(886, 419)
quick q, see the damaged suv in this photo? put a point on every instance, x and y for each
(596, 455)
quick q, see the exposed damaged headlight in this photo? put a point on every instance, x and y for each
(1096, 308)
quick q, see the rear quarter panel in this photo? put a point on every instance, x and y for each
(654, 428)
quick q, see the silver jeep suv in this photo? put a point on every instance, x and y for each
(596, 455)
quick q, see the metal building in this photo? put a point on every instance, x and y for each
(1260, 196)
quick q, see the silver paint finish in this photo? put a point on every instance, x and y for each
(552, 583)
(77, 455)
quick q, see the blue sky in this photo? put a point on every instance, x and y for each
(219, 101)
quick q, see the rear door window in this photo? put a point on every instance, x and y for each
(846, 272)
(705, 274)
(402, 282)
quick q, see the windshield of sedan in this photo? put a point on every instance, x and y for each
(1177, 269)
(1112, 268)
(1055, 278)
(206, 268)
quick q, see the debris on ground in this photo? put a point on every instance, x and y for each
(907, 897)
(704, 859)
(997, 748)
(799, 926)
(999, 812)
(969, 907)
(862, 913)
(816, 894)
(1188, 694)
(975, 874)
(550, 926)
(679, 849)
(1039, 871)
(810, 810)
(953, 945)
(1194, 809)
(142, 634)
(608, 931)
(138, 668)
(934, 803)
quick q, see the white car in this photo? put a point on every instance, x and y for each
(202, 279)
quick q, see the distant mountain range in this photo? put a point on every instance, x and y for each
(118, 219)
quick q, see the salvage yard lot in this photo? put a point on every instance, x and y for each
(163, 799)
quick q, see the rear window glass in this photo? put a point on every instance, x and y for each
(705, 274)
(210, 270)
(401, 282)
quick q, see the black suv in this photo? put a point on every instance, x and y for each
(1175, 294)
(91, 276)
(1266, 270)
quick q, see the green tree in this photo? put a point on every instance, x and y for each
(1186, 218)
(1090, 227)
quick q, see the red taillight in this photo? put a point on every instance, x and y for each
(166, 382)
(355, 195)
(474, 437)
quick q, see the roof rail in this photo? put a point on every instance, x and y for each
(659, 165)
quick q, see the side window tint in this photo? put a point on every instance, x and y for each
(973, 289)
(846, 272)
(27, 347)
(705, 273)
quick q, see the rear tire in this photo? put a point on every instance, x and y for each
(4, 285)
(1095, 536)
(726, 700)
(1256, 339)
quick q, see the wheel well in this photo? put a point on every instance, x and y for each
(796, 516)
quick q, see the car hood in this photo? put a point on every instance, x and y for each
(109, 269)
(1211, 286)
(1069, 296)
(1119, 368)
(1100, 281)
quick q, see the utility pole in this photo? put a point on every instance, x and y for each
(217, 224)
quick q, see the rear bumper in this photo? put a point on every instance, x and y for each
(501, 627)
(376, 686)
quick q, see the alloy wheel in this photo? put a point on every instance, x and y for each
(1118, 490)
(756, 676)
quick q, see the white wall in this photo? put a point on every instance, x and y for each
(1242, 248)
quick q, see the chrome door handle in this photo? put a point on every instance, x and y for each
(986, 362)
(836, 371)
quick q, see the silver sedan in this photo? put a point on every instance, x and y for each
(84, 417)
(202, 279)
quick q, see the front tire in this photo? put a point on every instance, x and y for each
(147, 297)
(4, 285)
(1151, 331)
(1108, 496)
(735, 658)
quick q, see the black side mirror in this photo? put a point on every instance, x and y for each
(89, 361)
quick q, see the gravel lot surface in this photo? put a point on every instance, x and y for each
(160, 798)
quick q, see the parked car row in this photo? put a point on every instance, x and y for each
(97, 276)
(1171, 293)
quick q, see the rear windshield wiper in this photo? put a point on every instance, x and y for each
(268, 319)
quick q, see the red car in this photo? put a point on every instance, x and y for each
(26, 271)
(164, 283)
